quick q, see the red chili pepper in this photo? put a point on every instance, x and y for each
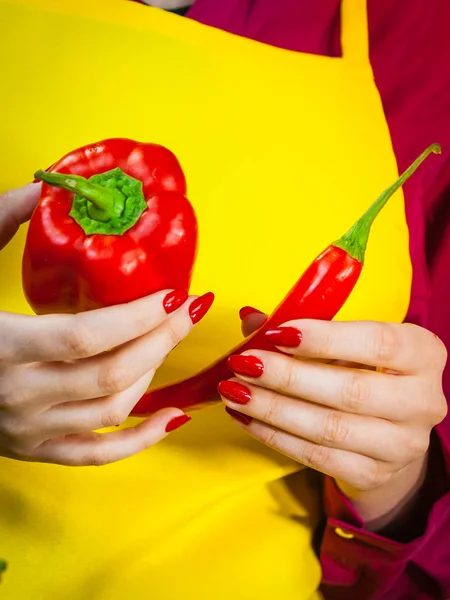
(120, 227)
(319, 294)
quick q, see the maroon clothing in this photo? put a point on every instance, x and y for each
(409, 51)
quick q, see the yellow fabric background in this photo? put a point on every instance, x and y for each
(282, 152)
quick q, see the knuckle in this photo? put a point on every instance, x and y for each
(435, 352)
(113, 378)
(173, 334)
(97, 455)
(385, 343)
(355, 393)
(98, 458)
(325, 345)
(314, 455)
(80, 340)
(113, 416)
(335, 429)
(288, 377)
(430, 401)
(269, 436)
(416, 445)
(440, 354)
(440, 409)
(272, 412)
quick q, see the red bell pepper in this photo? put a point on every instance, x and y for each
(319, 294)
(113, 224)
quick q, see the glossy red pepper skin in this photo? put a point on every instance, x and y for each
(320, 293)
(66, 271)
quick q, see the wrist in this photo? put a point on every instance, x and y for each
(390, 503)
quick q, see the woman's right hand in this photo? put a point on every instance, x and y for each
(64, 376)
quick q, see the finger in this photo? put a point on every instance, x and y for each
(388, 345)
(89, 415)
(356, 470)
(16, 207)
(251, 319)
(372, 437)
(71, 337)
(356, 391)
(95, 449)
(111, 372)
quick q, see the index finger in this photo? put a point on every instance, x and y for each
(403, 348)
(16, 207)
(26, 339)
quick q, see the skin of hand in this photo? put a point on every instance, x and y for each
(353, 400)
(169, 4)
(62, 377)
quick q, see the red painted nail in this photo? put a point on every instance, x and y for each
(234, 391)
(177, 422)
(174, 300)
(289, 337)
(244, 419)
(248, 310)
(200, 307)
(244, 364)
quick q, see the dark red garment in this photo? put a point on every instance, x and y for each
(410, 51)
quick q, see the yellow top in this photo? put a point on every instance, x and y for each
(282, 152)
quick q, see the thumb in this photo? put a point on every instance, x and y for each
(251, 318)
(16, 207)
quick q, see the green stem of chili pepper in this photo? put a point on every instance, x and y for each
(355, 240)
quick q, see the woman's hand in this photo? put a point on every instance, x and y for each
(368, 429)
(64, 376)
(16, 207)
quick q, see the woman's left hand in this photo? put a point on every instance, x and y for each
(332, 411)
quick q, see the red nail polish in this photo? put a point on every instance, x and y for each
(174, 300)
(234, 391)
(177, 422)
(200, 307)
(244, 364)
(248, 310)
(289, 337)
(244, 419)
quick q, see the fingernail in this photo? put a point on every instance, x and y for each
(244, 419)
(244, 364)
(289, 337)
(234, 391)
(248, 310)
(177, 422)
(200, 307)
(174, 300)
